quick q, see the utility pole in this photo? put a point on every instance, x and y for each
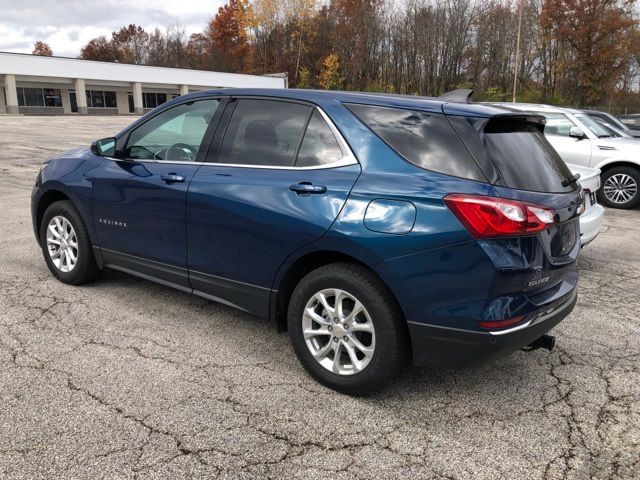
(517, 61)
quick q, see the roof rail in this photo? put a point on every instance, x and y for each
(462, 95)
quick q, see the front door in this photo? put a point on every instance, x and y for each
(277, 183)
(139, 198)
(572, 150)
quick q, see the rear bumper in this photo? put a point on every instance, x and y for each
(452, 347)
(590, 223)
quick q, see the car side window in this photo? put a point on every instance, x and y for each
(558, 124)
(319, 145)
(425, 139)
(264, 132)
(175, 134)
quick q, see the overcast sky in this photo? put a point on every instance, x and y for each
(66, 25)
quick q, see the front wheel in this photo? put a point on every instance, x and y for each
(346, 329)
(66, 245)
(620, 188)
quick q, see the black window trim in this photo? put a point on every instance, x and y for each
(348, 157)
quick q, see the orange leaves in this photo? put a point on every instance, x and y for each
(42, 49)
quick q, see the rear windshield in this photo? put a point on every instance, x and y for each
(524, 157)
(423, 138)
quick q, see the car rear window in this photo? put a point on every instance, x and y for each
(423, 138)
(524, 157)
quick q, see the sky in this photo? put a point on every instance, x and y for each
(67, 25)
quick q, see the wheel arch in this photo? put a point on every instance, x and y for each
(608, 165)
(301, 267)
(48, 198)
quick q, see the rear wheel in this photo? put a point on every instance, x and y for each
(66, 246)
(346, 329)
(620, 188)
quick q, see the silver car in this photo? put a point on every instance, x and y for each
(614, 121)
(580, 140)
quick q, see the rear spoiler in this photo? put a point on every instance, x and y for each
(462, 95)
(520, 117)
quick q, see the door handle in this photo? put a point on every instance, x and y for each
(307, 188)
(172, 178)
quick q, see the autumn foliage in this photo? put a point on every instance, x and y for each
(42, 49)
(582, 52)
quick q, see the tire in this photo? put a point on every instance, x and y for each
(66, 222)
(626, 177)
(387, 339)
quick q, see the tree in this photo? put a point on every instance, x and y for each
(99, 49)
(41, 48)
(196, 51)
(330, 78)
(600, 34)
(304, 80)
(227, 33)
(131, 44)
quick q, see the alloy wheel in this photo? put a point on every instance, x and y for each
(62, 244)
(620, 188)
(338, 331)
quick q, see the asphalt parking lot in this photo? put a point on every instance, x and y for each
(125, 378)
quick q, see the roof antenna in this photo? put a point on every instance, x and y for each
(462, 95)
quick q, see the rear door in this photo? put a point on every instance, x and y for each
(276, 182)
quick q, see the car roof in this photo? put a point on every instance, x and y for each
(321, 97)
(596, 112)
(538, 107)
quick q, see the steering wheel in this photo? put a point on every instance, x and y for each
(180, 151)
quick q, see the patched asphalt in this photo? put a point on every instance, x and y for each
(125, 378)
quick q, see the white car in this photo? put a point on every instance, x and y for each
(591, 218)
(582, 141)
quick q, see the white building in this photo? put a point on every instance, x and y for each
(56, 85)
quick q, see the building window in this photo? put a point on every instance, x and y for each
(39, 97)
(52, 97)
(152, 100)
(110, 100)
(101, 99)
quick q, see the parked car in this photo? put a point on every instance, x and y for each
(615, 122)
(580, 140)
(612, 130)
(632, 120)
(363, 224)
(593, 214)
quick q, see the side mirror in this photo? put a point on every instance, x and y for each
(576, 132)
(105, 147)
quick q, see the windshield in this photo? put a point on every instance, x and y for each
(616, 123)
(613, 131)
(595, 128)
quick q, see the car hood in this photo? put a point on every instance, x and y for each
(73, 153)
(589, 177)
(619, 143)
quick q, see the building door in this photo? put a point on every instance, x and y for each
(73, 101)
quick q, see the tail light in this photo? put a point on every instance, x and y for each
(492, 324)
(488, 217)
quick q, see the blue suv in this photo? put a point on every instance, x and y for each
(376, 229)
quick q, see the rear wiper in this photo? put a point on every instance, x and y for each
(572, 179)
(604, 136)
